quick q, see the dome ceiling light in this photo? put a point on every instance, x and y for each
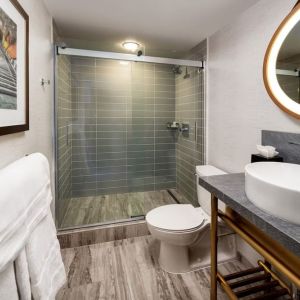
(131, 46)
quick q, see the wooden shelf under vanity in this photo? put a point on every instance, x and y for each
(260, 282)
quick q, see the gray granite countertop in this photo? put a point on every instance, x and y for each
(230, 189)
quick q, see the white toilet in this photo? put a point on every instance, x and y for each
(183, 231)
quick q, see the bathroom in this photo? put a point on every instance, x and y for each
(134, 123)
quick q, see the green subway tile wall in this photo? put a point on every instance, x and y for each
(119, 138)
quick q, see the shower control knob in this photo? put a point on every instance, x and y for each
(185, 127)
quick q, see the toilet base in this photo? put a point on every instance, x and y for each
(183, 259)
(174, 259)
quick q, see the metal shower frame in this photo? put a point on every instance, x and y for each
(130, 57)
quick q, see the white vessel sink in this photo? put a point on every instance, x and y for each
(275, 188)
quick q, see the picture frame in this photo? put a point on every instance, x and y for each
(14, 68)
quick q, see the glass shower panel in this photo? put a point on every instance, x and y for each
(140, 145)
(190, 147)
(114, 94)
(82, 137)
(135, 145)
(116, 158)
(151, 146)
(83, 133)
(91, 121)
(62, 142)
(165, 138)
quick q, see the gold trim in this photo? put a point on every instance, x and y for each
(274, 276)
(270, 250)
(226, 287)
(266, 63)
(214, 249)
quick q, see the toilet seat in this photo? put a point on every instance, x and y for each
(176, 218)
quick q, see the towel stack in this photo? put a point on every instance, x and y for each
(28, 243)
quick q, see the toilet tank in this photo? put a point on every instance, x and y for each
(204, 197)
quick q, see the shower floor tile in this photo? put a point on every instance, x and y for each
(110, 208)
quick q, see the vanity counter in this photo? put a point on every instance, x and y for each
(230, 189)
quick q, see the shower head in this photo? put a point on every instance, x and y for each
(186, 75)
(176, 69)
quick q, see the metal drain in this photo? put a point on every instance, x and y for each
(138, 217)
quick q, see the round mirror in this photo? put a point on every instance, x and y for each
(282, 64)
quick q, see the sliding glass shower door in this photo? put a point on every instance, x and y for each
(115, 155)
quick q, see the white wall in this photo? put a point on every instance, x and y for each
(238, 104)
(39, 137)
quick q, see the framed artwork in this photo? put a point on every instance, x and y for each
(14, 80)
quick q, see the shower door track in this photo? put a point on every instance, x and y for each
(101, 224)
(130, 57)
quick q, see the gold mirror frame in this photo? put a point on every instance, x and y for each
(269, 69)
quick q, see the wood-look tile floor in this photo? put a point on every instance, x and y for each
(128, 269)
(109, 208)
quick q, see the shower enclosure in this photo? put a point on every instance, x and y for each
(128, 136)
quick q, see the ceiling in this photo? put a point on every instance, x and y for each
(162, 26)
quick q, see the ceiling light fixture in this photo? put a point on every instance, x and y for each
(131, 46)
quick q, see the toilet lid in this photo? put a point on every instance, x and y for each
(175, 217)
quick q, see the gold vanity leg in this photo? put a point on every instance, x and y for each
(214, 246)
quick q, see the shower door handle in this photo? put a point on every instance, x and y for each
(68, 134)
(196, 132)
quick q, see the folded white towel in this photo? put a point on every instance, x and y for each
(22, 276)
(8, 287)
(25, 197)
(27, 230)
(46, 269)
